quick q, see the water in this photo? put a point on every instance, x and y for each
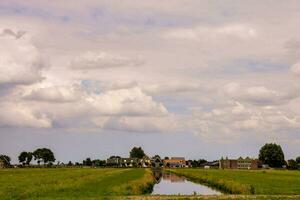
(172, 184)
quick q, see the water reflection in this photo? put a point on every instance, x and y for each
(172, 184)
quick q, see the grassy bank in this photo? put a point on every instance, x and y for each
(223, 197)
(73, 183)
(269, 182)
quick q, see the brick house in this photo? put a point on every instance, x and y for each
(240, 163)
(175, 162)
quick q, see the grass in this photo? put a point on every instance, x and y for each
(223, 197)
(74, 183)
(135, 184)
(269, 182)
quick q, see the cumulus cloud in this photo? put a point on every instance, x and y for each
(138, 123)
(117, 108)
(182, 51)
(259, 95)
(20, 61)
(20, 115)
(101, 60)
(235, 119)
(130, 101)
(53, 94)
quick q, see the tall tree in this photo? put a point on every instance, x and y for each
(298, 160)
(87, 162)
(5, 159)
(137, 152)
(272, 155)
(45, 155)
(25, 157)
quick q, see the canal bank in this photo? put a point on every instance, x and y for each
(168, 183)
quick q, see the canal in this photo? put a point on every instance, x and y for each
(171, 184)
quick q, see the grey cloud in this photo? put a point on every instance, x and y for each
(17, 35)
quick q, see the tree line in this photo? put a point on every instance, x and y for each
(270, 154)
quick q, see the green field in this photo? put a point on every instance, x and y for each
(135, 184)
(73, 183)
(269, 182)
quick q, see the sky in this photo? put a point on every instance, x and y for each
(192, 78)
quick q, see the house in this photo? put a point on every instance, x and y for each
(129, 162)
(2, 165)
(175, 162)
(156, 162)
(239, 163)
(113, 161)
(145, 162)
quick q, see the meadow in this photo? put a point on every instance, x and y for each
(261, 182)
(74, 183)
(137, 183)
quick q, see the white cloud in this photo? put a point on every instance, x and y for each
(20, 115)
(259, 95)
(20, 61)
(130, 101)
(138, 123)
(53, 94)
(236, 119)
(295, 69)
(203, 33)
(101, 60)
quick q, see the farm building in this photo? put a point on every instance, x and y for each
(175, 162)
(240, 163)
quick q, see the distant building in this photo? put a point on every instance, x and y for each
(2, 165)
(145, 162)
(175, 162)
(129, 162)
(113, 161)
(156, 162)
(212, 164)
(239, 163)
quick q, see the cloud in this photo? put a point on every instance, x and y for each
(140, 124)
(130, 101)
(259, 95)
(203, 33)
(235, 119)
(17, 35)
(53, 94)
(62, 106)
(20, 115)
(102, 60)
(295, 69)
(20, 62)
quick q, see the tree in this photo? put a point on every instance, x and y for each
(98, 163)
(298, 160)
(44, 155)
(272, 155)
(137, 152)
(5, 159)
(70, 164)
(292, 164)
(87, 162)
(201, 161)
(25, 157)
